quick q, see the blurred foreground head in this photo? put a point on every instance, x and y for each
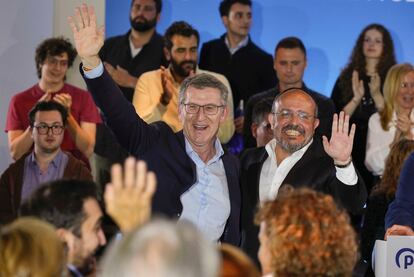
(30, 247)
(161, 248)
(304, 233)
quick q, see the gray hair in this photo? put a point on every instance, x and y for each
(162, 248)
(203, 80)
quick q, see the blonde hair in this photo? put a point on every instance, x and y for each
(30, 247)
(392, 85)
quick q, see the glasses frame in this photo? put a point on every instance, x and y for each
(186, 107)
(57, 129)
(288, 115)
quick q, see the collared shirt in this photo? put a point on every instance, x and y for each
(207, 203)
(74, 271)
(240, 45)
(134, 51)
(272, 174)
(33, 177)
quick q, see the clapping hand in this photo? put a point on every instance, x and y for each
(88, 37)
(128, 197)
(339, 147)
(357, 87)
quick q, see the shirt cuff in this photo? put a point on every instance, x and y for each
(347, 175)
(95, 72)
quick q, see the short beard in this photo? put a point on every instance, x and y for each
(286, 145)
(142, 26)
(179, 70)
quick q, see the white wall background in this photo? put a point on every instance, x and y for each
(23, 25)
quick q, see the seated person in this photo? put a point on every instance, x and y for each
(381, 196)
(395, 121)
(53, 58)
(399, 219)
(303, 233)
(261, 128)
(72, 207)
(47, 162)
(24, 245)
(156, 96)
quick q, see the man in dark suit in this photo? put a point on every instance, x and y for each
(290, 63)
(197, 180)
(296, 158)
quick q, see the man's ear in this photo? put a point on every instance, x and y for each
(167, 54)
(253, 129)
(225, 20)
(224, 114)
(271, 119)
(316, 124)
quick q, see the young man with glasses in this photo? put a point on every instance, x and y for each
(53, 58)
(296, 156)
(45, 163)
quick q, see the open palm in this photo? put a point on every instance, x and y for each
(339, 147)
(87, 36)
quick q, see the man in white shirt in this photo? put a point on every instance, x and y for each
(294, 157)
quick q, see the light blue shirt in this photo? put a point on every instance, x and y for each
(207, 204)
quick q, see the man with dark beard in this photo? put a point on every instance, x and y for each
(156, 94)
(127, 56)
(296, 158)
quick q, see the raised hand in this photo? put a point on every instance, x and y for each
(128, 197)
(357, 86)
(88, 37)
(339, 147)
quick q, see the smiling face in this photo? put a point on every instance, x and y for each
(294, 121)
(373, 44)
(405, 95)
(54, 68)
(200, 128)
(239, 20)
(49, 142)
(289, 65)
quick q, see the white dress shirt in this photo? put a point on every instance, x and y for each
(272, 174)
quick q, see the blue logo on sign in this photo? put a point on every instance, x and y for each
(408, 259)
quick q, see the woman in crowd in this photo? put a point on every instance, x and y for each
(382, 195)
(395, 121)
(358, 90)
(31, 247)
(304, 233)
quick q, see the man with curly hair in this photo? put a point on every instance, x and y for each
(304, 233)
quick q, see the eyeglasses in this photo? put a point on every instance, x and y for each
(208, 109)
(288, 115)
(43, 129)
(406, 85)
(53, 61)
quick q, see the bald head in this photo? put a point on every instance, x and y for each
(298, 94)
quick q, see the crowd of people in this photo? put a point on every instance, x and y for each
(316, 182)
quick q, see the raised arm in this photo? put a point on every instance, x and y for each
(88, 38)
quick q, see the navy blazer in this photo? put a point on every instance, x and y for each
(314, 170)
(164, 151)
